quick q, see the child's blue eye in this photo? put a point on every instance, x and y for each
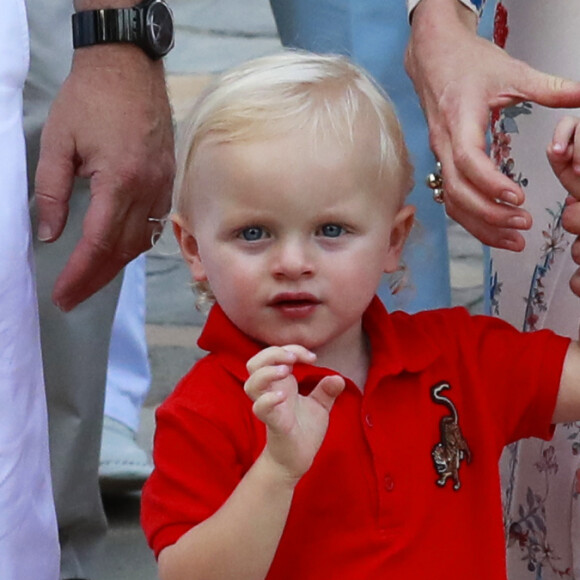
(252, 234)
(331, 230)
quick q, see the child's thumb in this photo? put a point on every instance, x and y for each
(327, 390)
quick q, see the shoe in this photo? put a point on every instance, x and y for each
(123, 465)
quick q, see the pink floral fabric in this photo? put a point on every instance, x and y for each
(541, 480)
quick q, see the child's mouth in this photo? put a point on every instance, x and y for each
(295, 305)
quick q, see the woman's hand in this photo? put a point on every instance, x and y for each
(460, 78)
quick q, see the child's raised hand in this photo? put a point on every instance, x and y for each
(296, 424)
(564, 156)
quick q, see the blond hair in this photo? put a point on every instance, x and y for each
(291, 90)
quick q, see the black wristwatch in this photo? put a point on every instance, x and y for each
(149, 25)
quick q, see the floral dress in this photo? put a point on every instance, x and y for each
(530, 290)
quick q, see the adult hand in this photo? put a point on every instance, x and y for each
(460, 78)
(110, 123)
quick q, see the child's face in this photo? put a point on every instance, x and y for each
(293, 238)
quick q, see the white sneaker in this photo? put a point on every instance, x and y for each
(123, 466)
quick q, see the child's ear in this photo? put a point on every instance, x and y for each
(189, 248)
(400, 230)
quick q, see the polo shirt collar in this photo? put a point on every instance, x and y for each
(398, 340)
(398, 343)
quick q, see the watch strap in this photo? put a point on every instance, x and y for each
(104, 26)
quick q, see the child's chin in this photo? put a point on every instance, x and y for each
(290, 338)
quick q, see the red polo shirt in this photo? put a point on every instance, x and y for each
(370, 506)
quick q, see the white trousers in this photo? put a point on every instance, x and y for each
(28, 532)
(128, 371)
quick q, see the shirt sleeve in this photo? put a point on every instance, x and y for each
(206, 439)
(518, 375)
(475, 5)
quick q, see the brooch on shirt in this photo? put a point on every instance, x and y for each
(452, 449)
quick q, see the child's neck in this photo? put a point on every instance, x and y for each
(349, 356)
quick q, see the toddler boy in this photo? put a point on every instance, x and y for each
(322, 437)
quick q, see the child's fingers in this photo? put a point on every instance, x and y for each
(273, 355)
(568, 175)
(266, 403)
(564, 153)
(576, 148)
(571, 218)
(575, 279)
(563, 136)
(276, 355)
(576, 251)
(327, 390)
(261, 380)
(575, 282)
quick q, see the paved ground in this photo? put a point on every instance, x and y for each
(211, 36)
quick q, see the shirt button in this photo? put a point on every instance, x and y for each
(389, 483)
(369, 420)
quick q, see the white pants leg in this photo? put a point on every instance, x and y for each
(128, 372)
(28, 533)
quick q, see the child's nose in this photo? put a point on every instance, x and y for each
(293, 260)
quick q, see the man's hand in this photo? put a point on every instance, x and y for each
(110, 123)
(296, 424)
(460, 78)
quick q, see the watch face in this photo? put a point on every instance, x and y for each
(159, 26)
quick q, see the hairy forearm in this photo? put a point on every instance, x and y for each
(111, 123)
(80, 5)
(240, 540)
